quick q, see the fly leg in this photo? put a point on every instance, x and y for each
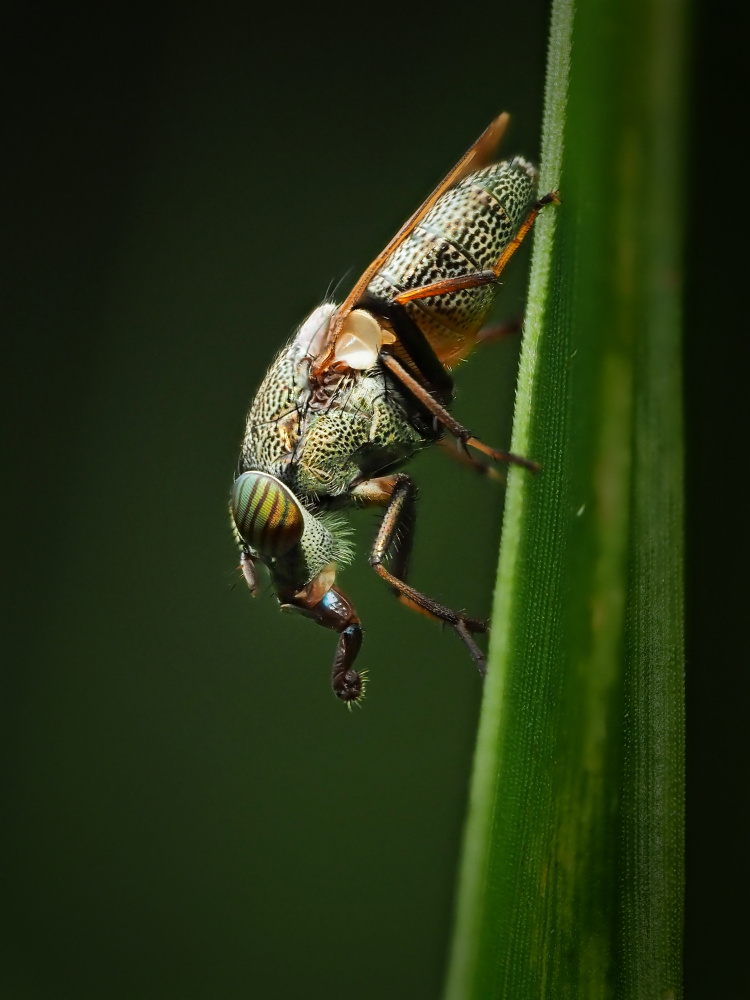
(463, 457)
(552, 198)
(395, 536)
(499, 331)
(463, 434)
(334, 610)
(487, 335)
(433, 389)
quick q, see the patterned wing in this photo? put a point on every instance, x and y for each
(478, 156)
(465, 231)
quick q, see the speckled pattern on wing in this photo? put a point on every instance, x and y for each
(466, 230)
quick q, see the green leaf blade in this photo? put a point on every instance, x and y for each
(564, 860)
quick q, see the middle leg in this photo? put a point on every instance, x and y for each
(394, 538)
(463, 434)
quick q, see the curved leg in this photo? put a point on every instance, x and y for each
(459, 454)
(395, 535)
(334, 610)
(487, 335)
(452, 425)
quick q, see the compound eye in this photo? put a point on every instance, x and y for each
(267, 514)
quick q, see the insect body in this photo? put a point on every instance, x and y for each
(364, 386)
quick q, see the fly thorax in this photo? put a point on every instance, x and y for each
(276, 528)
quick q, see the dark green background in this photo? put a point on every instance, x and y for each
(190, 813)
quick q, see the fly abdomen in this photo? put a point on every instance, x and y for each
(465, 231)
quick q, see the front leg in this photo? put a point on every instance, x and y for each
(395, 535)
(334, 610)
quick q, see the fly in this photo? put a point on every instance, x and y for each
(362, 387)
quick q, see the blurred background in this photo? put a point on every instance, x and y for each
(188, 811)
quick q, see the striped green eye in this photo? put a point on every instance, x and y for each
(267, 515)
